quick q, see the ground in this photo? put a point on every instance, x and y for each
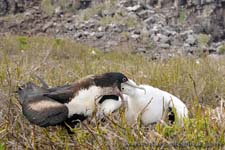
(200, 83)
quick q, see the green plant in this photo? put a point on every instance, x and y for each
(203, 39)
(23, 42)
(62, 61)
(182, 16)
(47, 7)
(221, 49)
(2, 147)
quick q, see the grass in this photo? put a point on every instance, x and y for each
(203, 40)
(182, 16)
(107, 6)
(221, 49)
(49, 6)
(129, 21)
(199, 83)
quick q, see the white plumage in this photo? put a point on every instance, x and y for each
(152, 102)
(107, 107)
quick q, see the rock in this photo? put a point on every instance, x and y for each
(141, 50)
(12, 6)
(135, 36)
(168, 31)
(84, 4)
(126, 3)
(135, 8)
(101, 29)
(163, 39)
(164, 45)
(47, 25)
(99, 35)
(86, 33)
(58, 10)
(185, 34)
(151, 20)
(3, 7)
(111, 44)
(176, 41)
(144, 14)
(191, 40)
(211, 50)
(108, 12)
(69, 26)
(78, 35)
(117, 28)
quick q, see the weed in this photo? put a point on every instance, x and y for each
(182, 16)
(203, 39)
(59, 61)
(221, 49)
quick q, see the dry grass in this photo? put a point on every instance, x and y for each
(199, 83)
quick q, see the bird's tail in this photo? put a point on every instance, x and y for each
(180, 108)
(28, 90)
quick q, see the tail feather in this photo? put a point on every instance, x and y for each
(181, 109)
(29, 90)
(39, 109)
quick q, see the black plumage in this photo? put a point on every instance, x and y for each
(46, 106)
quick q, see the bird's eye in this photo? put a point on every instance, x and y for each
(124, 79)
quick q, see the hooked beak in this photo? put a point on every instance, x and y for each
(134, 85)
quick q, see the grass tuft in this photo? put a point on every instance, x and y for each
(199, 83)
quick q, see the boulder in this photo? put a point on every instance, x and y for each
(191, 40)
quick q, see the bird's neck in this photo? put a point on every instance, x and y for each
(134, 97)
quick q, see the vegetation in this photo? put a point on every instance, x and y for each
(199, 83)
(49, 7)
(182, 16)
(129, 21)
(203, 39)
(104, 9)
(222, 49)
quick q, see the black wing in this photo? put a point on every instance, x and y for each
(45, 112)
(62, 94)
(39, 109)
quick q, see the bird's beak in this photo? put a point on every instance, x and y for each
(134, 85)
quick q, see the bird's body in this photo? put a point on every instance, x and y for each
(108, 104)
(45, 106)
(151, 103)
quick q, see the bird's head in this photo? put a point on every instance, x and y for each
(110, 79)
(129, 87)
(111, 82)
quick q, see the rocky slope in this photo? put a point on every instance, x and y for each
(160, 30)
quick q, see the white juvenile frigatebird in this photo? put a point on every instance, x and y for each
(151, 103)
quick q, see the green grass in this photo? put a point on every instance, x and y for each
(203, 40)
(182, 16)
(59, 61)
(221, 49)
